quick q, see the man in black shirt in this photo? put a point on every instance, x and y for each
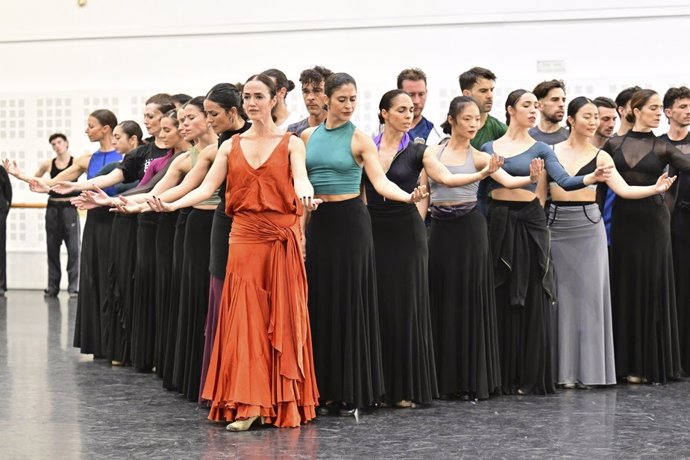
(62, 222)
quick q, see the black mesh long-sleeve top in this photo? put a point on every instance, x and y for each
(640, 157)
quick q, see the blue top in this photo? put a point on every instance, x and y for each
(518, 165)
(98, 161)
(422, 130)
(331, 166)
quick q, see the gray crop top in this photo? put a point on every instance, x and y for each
(464, 194)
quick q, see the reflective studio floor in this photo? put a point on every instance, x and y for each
(56, 403)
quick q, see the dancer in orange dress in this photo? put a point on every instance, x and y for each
(261, 366)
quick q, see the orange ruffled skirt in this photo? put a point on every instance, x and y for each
(262, 362)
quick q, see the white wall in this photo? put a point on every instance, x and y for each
(62, 63)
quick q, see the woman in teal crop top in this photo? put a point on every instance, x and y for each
(340, 255)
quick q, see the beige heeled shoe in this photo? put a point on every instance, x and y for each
(244, 424)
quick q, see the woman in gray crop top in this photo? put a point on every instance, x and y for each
(585, 332)
(400, 241)
(460, 275)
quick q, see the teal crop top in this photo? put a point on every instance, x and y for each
(331, 166)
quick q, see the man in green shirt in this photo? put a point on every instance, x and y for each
(479, 83)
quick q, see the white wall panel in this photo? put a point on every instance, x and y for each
(64, 19)
(59, 61)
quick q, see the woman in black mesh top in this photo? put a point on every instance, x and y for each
(642, 284)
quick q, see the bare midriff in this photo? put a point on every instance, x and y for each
(582, 195)
(205, 207)
(334, 198)
(506, 194)
(452, 203)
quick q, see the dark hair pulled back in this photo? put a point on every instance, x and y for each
(227, 96)
(387, 101)
(457, 106)
(512, 100)
(281, 79)
(132, 128)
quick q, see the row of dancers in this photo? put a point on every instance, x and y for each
(493, 298)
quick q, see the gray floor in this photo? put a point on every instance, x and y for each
(56, 403)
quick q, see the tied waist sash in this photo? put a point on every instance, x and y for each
(289, 320)
(510, 232)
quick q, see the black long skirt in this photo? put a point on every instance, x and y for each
(166, 295)
(168, 362)
(193, 305)
(520, 246)
(343, 305)
(93, 283)
(123, 251)
(463, 307)
(400, 243)
(680, 229)
(645, 329)
(144, 304)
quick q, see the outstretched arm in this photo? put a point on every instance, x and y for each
(364, 148)
(633, 192)
(423, 204)
(216, 175)
(439, 172)
(195, 176)
(566, 181)
(114, 177)
(303, 188)
(507, 180)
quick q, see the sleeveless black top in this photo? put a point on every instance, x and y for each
(54, 171)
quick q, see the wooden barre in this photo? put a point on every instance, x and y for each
(29, 205)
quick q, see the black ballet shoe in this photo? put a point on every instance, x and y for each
(348, 410)
(467, 396)
(327, 408)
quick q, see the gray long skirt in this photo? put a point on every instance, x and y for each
(580, 258)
